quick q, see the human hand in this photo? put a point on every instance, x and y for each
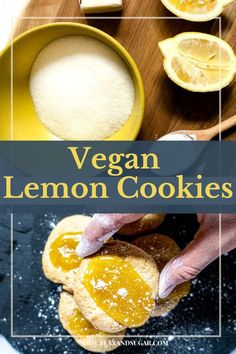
(208, 244)
(204, 249)
(100, 229)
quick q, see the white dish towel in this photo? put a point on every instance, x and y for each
(5, 347)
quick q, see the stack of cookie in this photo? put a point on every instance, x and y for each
(114, 289)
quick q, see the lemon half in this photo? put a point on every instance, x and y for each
(196, 10)
(198, 62)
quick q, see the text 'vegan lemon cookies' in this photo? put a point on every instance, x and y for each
(117, 287)
(142, 226)
(162, 248)
(82, 330)
(60, 261)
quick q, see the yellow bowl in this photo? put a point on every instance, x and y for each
(19, 120)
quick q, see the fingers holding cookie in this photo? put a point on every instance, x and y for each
(114, 289)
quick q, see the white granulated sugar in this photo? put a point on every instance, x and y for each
(81, 88)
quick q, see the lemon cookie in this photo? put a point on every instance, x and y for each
(117, 287)
(163, 306)
(82, 330)
(142, 226)
(60, 262)
(162, 249)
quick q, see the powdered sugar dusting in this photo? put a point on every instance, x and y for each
(100, 284)
(122, 292)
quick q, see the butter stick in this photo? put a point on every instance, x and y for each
(99, 6)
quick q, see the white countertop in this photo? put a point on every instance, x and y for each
(8, 10)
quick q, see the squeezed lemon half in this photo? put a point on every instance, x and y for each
(196, 10)
(198, 62)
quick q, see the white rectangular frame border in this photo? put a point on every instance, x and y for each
(12, 215)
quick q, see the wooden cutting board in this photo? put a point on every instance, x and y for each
(168, 107)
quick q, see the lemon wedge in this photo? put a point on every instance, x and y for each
(198, 62)
(196, 10)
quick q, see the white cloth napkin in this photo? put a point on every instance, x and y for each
(5, 347)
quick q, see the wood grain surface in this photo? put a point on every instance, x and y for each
(168, 107)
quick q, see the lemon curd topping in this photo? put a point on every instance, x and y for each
(194, 6)
(119, 290)
(78, 325)
(62, 251)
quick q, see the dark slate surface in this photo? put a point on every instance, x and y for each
(36, 299)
